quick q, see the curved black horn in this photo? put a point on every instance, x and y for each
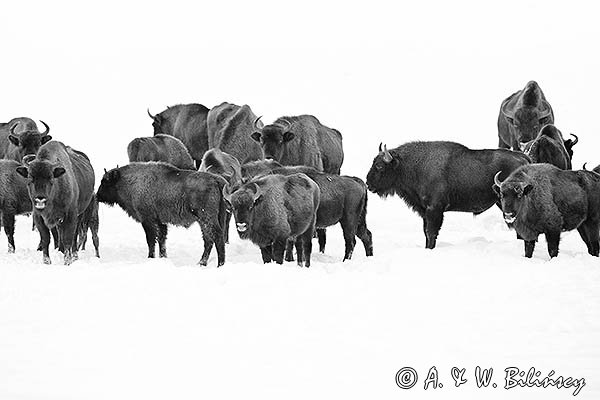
(387, 157)
(46, 126)
(149, 114)
(584, 168)
(547, 111)
(503, 110)
(576, 139)
(380, 143)
(496, 179)
(255, 124)
(287, 125)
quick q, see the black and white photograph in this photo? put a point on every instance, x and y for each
(299, 200)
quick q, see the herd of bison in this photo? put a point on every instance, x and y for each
(282, 183)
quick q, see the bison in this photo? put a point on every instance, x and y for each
(301, 140)
(273, 209)
(543, 199)
(21, 137)
(434, 177)
(343, 200)
(14, 198)
(227, 166)
(550, 147)
(60, 181)
(229, 129)
(187, 122)
(521, 116)
(160, 147)
(156, 194)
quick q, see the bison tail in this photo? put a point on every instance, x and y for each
(362, 219)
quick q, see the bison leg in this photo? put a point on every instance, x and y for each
(150, 230)
(57, 242)
(227, 222)
(299, 250)
(220, 245)
(94, 228)
(44, 238)
(349, 231)
(434, 216)
(162, 240)
(267, 253)
(589, 233)
(529, 247)
(278, 250)
(208, 245)
(367, 239)
(322, 236)
(289, 251)
(307, 246)
(8, 220)
(552, 238)
(68, 239)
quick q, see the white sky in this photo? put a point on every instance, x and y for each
(377, 71)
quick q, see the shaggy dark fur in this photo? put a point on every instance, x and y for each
(306, 142)
(522, 114)
(229, 129)
(434, 177)
(272, 209)
(187, 122)
(156, 194)
(550, 147)
(543, 199)
(24, 139)
(14, 198)
(61, 186)
(227, 166)
(89, 220)
(343, 200)
(164, 148)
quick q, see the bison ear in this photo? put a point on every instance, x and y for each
(13, 139)
(58, 171)
(23, 171)
(46, 139)
(496, 189)
(527, 189)
(255, 136)
(288, 136)
(258, 194)
(510, 120)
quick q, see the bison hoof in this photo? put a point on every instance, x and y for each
(369, 252)
(289, 258)
(47, 260)
(163, 255)
(11, 249)
(40, 247)
(203, 262)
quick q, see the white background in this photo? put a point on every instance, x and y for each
(123, 327)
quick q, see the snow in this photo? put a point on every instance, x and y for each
(123, 326)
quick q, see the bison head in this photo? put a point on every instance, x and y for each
(241, 203)
(272, 138)
(160, 124)
(525, 122)
(107, 192)
(383, 173)
(28, 141)
(511, 193)
(41, 179)
(569, 143)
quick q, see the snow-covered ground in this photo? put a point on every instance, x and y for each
(125, 327)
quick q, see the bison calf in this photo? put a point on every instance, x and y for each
(156, 194)
(543, 199)
(272, 209)
(434, 177)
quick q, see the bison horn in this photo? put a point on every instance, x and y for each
(28, 158)
(287, 125)
(547, 111)
(584, 168)
(12, 128)
(226, 193)
(47, 128)
(380, 143)
(258, 193)
(504, 112)
(255, 124)
(149, 114)
(576, 139)
(496, 179)
(105, 171)
(387, 157)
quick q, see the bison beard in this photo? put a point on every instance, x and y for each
(434, 177)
